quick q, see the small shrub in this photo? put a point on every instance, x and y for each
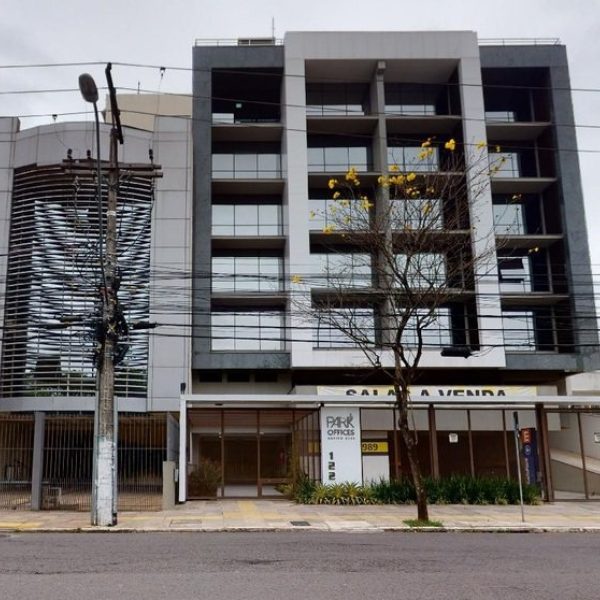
(204, 480)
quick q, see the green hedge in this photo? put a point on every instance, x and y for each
(456, 489)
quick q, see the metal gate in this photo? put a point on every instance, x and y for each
(16, 452)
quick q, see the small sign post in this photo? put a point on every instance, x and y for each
(517, 447)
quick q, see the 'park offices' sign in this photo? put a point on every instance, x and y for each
(419, 391)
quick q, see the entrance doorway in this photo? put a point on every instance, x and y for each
(252, 452)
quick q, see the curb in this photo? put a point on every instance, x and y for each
(246, 529)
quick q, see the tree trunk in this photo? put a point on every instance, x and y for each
(408, 439)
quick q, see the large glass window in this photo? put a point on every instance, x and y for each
(519, 330)
(415, 99)
(246, 166)
(338, 158)
(344, 327)
(505, 164)
(331, 99)
(421, 270)
(435, 331)
(247, 273)
(246, 219)
(416, 213)
(260, 330)
(341, 270)
(411, 158)
(326, 211)
(515, 274)
(509, 218)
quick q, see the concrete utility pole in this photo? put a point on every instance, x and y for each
(104, 491)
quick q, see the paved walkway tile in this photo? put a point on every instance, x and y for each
(236, 515)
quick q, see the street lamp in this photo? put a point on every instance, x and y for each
(104, 491)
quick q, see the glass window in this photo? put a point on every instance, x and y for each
(505, 164)
(515, 274)
(247, 273)
(246, 166)
(416, 213)
(509, 218)
(326, 211)
(415, 99)
(269, 219)
(410, 158)
(247, 330)
(246, 219)
(435, 329)
(222, 166)
(344, 327)
(338, 158)
(421, 270)
(223, 219)
(341, 270)
(331, 99)
(502, 116)
(519, 330)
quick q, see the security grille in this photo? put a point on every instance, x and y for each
(54, 281)
(16, 453)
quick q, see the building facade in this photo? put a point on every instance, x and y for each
(227, 253)
(273, 123)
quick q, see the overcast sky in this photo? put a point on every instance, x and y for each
(162, 32)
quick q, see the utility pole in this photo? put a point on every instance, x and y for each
(111, 322)
(105, 481)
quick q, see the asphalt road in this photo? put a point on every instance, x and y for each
(299, 565)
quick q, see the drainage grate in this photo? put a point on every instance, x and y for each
(300, 523)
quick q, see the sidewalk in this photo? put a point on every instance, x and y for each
(279, 515)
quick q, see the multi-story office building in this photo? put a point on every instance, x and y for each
(213, 250)
(273, 123)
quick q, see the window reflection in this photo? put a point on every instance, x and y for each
(260, 330)
(519, 330)
(338, 158)
(410, 158)
(340, 270)
(246, 219)
(246, 166)
(247, 274)
(344, 327)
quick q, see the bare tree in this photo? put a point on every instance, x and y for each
(400, 264)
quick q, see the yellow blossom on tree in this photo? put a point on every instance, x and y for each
(347, 220)
(344, 203)
(312, 214)
(296, 279)
(426, 143)
(400, 179)
(328, 229)
(365, 204)
(394, 168)
(383, 181)
(480, 145)
(427, 208)
(450, 145)
(498, 148)
(336, 195)
(411, 177)
(431, 190)
(332, 183)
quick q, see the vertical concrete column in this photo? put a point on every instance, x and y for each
(382, 200)
(480, 208)
(37, 467)
(183, 451)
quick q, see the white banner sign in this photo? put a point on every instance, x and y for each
(340, 445)
(419, 391)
